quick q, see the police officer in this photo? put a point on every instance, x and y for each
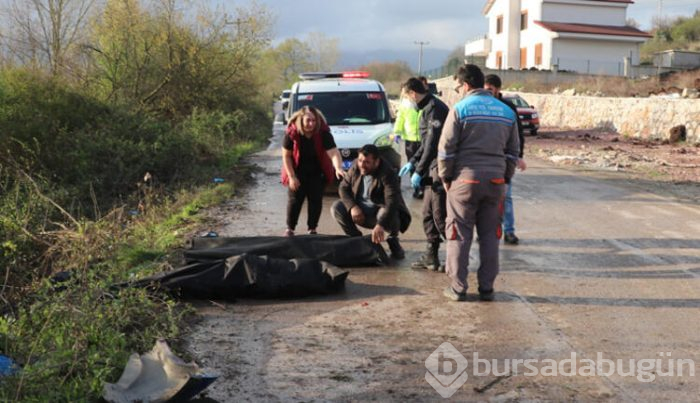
(423, 165)
(477, 152)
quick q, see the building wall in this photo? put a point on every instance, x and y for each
(678, 59)
(512, 19)
(645, 118)
(593, 57)
(530, 37)
(596, 13)
(499, 42)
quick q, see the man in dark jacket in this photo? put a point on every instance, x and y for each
(493, 83)
(423, 164)
(370, 196)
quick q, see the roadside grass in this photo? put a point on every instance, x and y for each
(76, 330)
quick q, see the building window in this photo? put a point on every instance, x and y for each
(523, 58)
(499, 24)
(499, 60)
(523, 20)
(538, 54)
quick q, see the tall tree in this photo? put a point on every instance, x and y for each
(292, 57)
(156, 59)
(324, 50)
(388, 71)
(45, 33)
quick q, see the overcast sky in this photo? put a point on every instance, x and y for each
(397, 24)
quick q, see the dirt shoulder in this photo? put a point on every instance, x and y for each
(674, 168)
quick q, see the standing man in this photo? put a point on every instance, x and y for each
(480, 132)
(370, 196)
(493, 84)
(423, 164)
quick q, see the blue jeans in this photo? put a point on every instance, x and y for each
(508, 213)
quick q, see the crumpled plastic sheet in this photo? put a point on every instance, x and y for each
(158, 376)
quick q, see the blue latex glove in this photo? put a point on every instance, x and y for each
(406, 169)
(415, 180)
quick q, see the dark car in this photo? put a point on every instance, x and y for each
(529, 118)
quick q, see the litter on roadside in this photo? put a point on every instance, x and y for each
(158, 376)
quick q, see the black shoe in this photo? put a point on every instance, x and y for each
(429, 260)
(510, 238)
(489, 295)
(397, 251)
(454, 295)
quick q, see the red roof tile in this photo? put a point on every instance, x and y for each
(592, 29)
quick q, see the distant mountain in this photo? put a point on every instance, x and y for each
(432, 58)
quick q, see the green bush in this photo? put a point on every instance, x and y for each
(77, 337)
(96, 153)
(687, 30)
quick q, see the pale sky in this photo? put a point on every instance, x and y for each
(397, 24)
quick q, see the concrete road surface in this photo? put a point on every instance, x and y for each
(602, 297)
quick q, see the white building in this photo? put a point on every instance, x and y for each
(586, 36)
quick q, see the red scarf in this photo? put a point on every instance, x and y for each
(323, 158)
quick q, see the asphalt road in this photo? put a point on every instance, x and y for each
(608, 269)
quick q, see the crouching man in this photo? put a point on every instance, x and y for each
(370, 196)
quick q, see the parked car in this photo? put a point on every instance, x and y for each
(355, 107)
(284, 98)
(529, 118)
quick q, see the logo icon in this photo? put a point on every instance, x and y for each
(446, 370)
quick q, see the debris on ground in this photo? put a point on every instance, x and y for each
(674, 162)
(158, 376)
(7, 366)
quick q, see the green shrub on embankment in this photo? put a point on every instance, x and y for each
(74, 201)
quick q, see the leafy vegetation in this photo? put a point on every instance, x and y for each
(109, 140)
(391, 74)
(682, 33)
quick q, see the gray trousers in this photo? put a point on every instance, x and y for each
(344, 219)
(474, 201)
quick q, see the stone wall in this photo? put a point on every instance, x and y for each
(644, 118)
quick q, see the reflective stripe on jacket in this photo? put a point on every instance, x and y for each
(480, 132)
(406, 124)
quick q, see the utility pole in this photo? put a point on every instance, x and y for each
(420, 55)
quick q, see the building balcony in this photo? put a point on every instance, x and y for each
(480, 46)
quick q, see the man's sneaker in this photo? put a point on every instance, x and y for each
(487, 295)
(454, 295)
(312, 231)
(289, 233)
(510, 238)
(397, 251)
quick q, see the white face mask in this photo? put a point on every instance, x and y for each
(409, 103)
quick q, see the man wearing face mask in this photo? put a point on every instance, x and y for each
(423, 166)
(406, 127)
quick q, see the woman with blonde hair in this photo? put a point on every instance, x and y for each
(310, 160)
